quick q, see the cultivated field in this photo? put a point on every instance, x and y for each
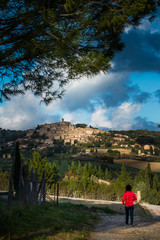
(105, 150)
(155, 166)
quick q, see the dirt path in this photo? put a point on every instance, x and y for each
(113, 228)
(143, 210)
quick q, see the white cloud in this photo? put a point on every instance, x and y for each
(78, 104)
(70, 117)
(75, 117)
(22, 112)
(145, 25)
(121, 117)
(87, 92)
(99, 119)
(102, 100)
(127, 29)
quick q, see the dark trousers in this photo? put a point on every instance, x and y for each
(129, 211)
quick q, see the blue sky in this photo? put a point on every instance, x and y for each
(127, 97)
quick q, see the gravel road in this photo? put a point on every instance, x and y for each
(113, 228)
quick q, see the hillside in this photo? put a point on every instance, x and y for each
(65, 137)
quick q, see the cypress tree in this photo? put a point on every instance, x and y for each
(148, 176)
(123, 179)
(79, 170)
(156, 184)
(85, 173)
(17, 168)
(90, 169)
(73, 168)
(100, 173)
(151, 150)
(108, 175)
(95, 171)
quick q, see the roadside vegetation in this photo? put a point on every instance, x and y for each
(50, 222)
(81, 178)
(83, 181)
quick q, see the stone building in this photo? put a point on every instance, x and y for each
(67, 132)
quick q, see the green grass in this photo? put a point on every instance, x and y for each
(51, 222)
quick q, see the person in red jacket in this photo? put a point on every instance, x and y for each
(127, 199)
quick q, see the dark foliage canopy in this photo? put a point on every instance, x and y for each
(46, 43)
(81, 125)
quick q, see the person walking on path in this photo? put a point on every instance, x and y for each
(127, 200)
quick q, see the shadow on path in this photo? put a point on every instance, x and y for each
(113, 228)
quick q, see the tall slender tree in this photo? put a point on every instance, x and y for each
(148, 176)
(17, 169)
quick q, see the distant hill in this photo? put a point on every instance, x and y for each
(66, 137)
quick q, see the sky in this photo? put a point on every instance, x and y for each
(126, 98)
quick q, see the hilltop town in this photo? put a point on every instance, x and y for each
(65, 131)
(47, 135)
(89, 139)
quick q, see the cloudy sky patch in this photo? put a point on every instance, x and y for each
(127, 97)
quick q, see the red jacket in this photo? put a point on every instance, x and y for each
(128, 198)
